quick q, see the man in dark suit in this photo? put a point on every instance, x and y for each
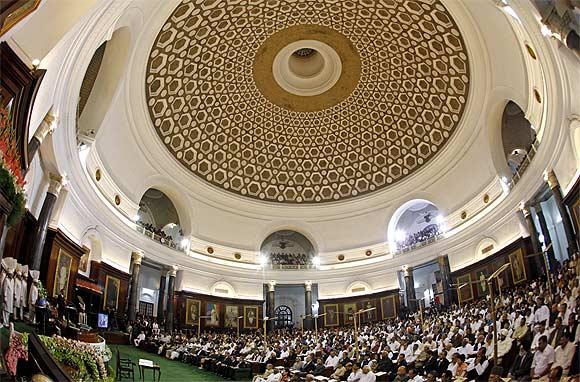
(521, 366)
(61, 304)
(556, 333)
(442, 363)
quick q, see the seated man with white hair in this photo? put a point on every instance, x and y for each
(367, 375)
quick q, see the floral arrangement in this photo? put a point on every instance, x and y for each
(11, 178)
(85, 363)
(17, 349)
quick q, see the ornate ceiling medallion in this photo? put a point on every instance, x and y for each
(362, 95)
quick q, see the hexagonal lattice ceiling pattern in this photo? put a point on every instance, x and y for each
(210, 115)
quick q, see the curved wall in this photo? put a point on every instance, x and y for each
(456, 181)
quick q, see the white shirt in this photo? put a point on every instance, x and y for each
(563, 357)
(331, 361)
(368, 377)
(355, 377)
(542, 360)
(542, 314)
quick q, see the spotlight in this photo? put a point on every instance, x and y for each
(184, 242)
(136, 218)
(35, 63)
(400, 235)
(316, 261)
(263, 260)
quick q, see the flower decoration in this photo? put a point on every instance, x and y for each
(11, 178)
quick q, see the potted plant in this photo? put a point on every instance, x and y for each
(41, 294)
(11, 178)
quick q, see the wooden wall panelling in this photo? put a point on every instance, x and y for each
(180, 309)
(58, 245)
(490, 264)
(20, 84)
(99, 272)
(390, 299)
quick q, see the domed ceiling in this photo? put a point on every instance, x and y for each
(306, 101)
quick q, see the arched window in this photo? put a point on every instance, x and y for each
(287, 249)
(159, 218)
(100, 83)
(517, 136)
(416, 223)
(283, 316)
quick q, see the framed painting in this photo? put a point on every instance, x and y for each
(212, 312)
(482, 287)
(192, 311)
(231, 317)
(112, 287)
(518, 267)
(388, 307)
(369, 315)
(348, 311)
(331, 315)
(251, 317)
(62, 273)
(464, 294)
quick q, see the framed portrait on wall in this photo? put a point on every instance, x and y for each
(192, 311)
(62, 273)
(331, 315)
(251, 317)
(84, 263)
(369, 315)
(388, 307)
(231, 318)
(212, 312)
(465, 294)
(112, 286)
(518, 266)
(348, 311)
(482, 287)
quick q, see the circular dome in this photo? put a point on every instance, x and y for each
(382, 89)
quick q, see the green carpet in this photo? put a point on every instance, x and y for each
(170, 370)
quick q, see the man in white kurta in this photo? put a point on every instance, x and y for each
(23, 290)
(7, 298)
(17, 291)
(33, 296)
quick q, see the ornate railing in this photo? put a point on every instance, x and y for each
(163, 240)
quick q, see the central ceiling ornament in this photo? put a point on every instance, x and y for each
(306, 101)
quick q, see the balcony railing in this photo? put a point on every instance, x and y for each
(163, 240)
(420, 244)
(292, 267)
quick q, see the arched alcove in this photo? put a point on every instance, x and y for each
(517, 135)
(415, 222)
(287, 248)
(158, 215)
(92, 241)
(100, 83)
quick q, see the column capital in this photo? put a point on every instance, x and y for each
(137, 257)
(46, 127)
(407, 270)
(172, 272)
(55, 183)
(550, 177)
(525, 209)
(308, 286)
(271, 286)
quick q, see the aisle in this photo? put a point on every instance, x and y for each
(171, 371)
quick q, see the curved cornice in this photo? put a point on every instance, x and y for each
(86, 201)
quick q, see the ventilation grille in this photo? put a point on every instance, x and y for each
(91, 77)
(222, 291)
(358, 289)
(487, 249)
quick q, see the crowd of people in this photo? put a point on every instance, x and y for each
(290, 259)
(424, 235)
(16, 296)
(537, 339)
(158, 234)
